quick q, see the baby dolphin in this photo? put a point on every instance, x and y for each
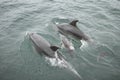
(66, 43)
(72, 29)
(42, 45)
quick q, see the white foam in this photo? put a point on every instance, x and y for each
(88, 44)
(84, 45)
(72, 48)
(62, 63)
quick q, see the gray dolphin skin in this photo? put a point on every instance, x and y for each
(42, 45)
(66, 43)
(72, 29)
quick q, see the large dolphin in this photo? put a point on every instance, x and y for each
(72, 29)
(42, 45)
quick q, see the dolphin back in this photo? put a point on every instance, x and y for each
(38, 40)
(41, 45)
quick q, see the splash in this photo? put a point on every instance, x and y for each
(87, 43)
(96, 45)
(62, 63)
(84, 44)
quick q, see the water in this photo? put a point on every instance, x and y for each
(62, 63)
(99, 19)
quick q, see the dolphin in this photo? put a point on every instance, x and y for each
(66, 43)
(42, 45)
(71, 28)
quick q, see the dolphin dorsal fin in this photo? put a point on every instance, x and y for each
(54, 48)
(73, 23)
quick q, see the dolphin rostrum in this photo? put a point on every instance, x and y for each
(42, 45)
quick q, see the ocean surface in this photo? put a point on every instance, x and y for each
(99, 19)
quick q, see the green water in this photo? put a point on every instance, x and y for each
(99, 19)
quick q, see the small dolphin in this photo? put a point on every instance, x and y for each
(66, 43)
(42, 45)
(72, 29)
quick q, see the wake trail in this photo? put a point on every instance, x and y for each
(95, 44)
(62, 63)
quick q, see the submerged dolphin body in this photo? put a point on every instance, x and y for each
(66, 43)
(42, 45)
(72, 29)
